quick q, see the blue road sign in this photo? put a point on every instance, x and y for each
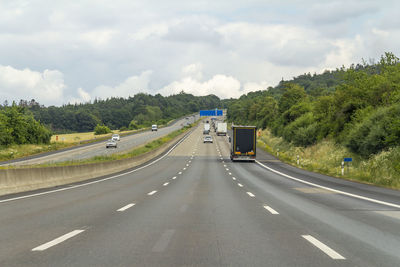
(212, 112)
(347, 159)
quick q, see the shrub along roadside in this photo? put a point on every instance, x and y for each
(382, 169)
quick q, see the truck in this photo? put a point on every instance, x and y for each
(221, 128)
(243, 143)
(206, 128)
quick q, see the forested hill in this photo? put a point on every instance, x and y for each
(358, 107)
(139, 110)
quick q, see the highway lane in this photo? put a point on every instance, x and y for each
(98, 149)
(196, 208)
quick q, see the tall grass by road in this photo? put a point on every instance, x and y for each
(382, 169)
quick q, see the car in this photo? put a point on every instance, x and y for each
(111, 143)
(154, 127)
(115, 137)
(208, 139)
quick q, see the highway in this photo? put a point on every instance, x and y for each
(193, 207)
(99, 148)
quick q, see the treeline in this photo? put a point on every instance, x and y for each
(120, 113)
(17, 126)
(358, 107)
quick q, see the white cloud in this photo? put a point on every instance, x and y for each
(253, 86)
(152, 30)
(193, 71)
(220, 85)
(46, 87)
(93, 46)
(129, 87)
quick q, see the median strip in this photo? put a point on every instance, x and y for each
(57, 240)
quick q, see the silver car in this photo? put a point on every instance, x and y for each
(207, 139)
(115, 137)
(111, 143)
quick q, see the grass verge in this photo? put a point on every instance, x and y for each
(382, 169)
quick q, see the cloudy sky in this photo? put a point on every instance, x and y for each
(74, 51)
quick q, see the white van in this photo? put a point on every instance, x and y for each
(154, 127)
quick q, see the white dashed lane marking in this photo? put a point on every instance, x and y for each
(271, 210)
(327, 250)
(240, 185)
(126, 207)
(250, 194)
(233, 178)
(152, 193)
(57, 240)
(165, 184)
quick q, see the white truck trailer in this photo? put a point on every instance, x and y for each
(221, 128)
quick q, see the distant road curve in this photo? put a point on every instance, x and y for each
(99, 149)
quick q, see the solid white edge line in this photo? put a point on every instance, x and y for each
(152, 192)
(271, 210)
(126, 207)
(97, 181)
(57, 240)
(250, 194)
(331, 189)
(324, 248)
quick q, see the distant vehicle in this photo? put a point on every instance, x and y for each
(111, 143)
(221, 128)
(207, 139)
(206, 128)
(243, 143)
(115, 137)
(154, 127)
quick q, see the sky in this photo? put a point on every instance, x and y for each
(60, 52)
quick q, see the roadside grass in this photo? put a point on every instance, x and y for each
(77, 137)
(20, 151)
(382, 169)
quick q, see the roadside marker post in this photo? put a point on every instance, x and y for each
(347, 160)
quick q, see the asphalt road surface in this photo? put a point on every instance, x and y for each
(193, 207)
(99, 149)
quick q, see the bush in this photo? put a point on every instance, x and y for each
(303, 131)
(101, 129)
(17, 126)
(133, 125)
(378, 131)
(123, 128)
